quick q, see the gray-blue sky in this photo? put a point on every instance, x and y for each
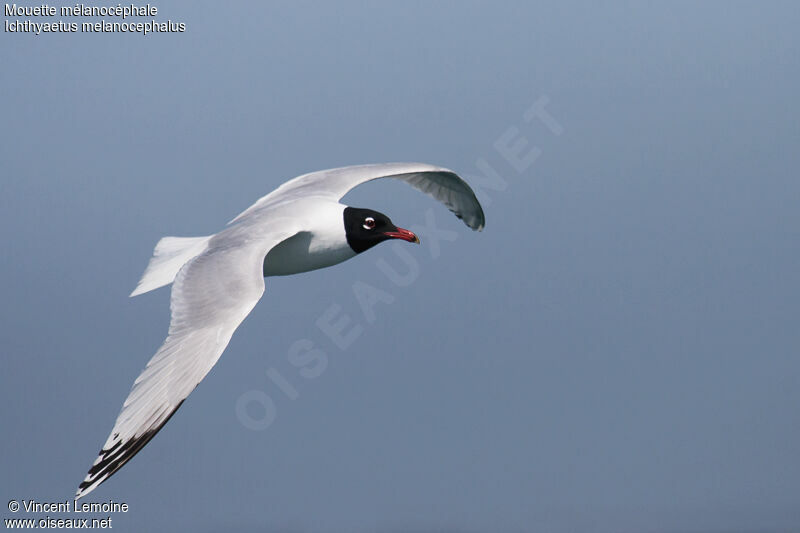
(617, 351)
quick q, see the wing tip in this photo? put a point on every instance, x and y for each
(476, 222)
(112, 458)
(88, 485)
(83, 489)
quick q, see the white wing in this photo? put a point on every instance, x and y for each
(211, 296)
(440, 183)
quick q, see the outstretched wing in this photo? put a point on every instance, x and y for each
(440, 183)
(211, 296)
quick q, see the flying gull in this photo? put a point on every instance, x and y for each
(217, 280)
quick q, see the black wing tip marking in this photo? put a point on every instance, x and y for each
(116, 456)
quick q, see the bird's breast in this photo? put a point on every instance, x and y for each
(306, 251)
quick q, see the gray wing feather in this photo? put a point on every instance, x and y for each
(212, 294)
(440, 183)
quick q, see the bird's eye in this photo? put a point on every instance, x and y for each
(369, 223)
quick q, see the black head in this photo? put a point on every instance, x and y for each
(365, 228)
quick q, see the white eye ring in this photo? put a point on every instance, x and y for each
(369, 223)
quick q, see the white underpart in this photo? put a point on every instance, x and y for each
(321, 245)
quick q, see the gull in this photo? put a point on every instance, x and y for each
(218, 279)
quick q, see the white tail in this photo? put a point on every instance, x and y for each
(170, 255)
